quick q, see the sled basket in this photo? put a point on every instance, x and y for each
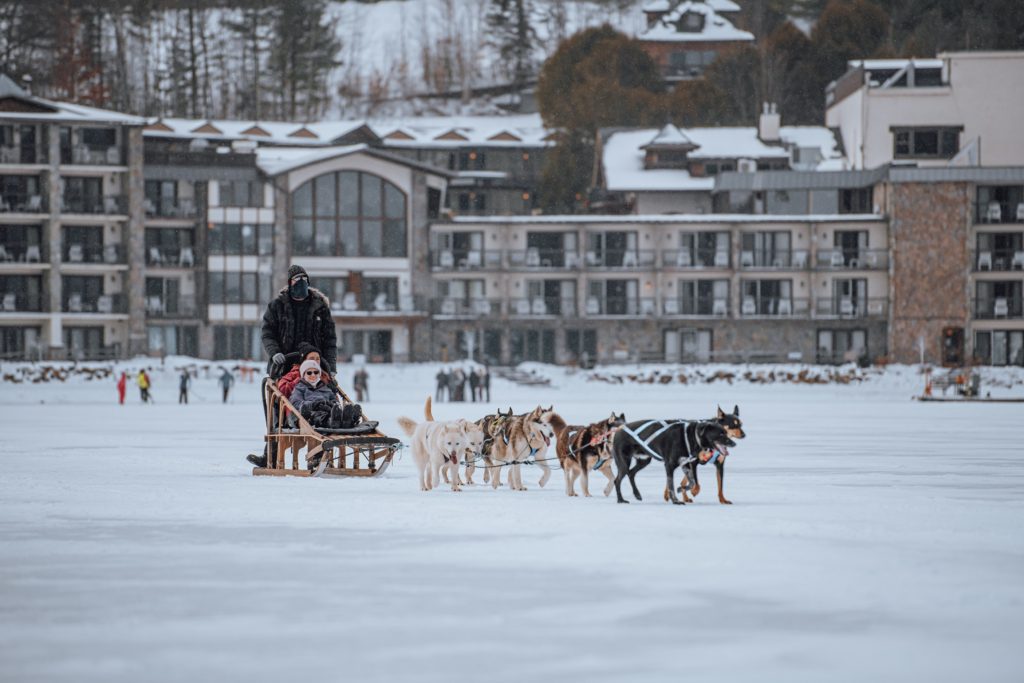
(360, 451)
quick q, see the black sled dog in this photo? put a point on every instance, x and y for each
(734, 429)
(677, 443)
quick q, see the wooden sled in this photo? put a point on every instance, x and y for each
(336, 452)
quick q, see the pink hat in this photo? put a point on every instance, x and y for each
(308, 365)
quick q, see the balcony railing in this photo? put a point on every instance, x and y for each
(94, 156)
(616, 306)
(170, 207)
(773, 258)
(465, 308)
(997, 308)
(998, 259)
(852, 259)
(543, 305)
(628, 259)
(23, 252)
(95, 205)
(769, 307)
(544, 259)
(710, 306)
(170, 307)
(851, 308)
(105, 303)
(479, 259)
(22, 155)
(351, 304)
(14, 302)
(22, 203)
(94, 253)
(695, 258)
(170, 257)
(999, 212)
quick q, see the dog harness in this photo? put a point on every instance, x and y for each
(664, 426)
(594, 441)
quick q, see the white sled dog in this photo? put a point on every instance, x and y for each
(436, 446)
(474, 443)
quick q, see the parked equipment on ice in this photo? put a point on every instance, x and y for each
(966, 386)
(360, 451)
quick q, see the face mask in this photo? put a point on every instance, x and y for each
(299, 289)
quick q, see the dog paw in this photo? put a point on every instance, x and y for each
(723, 501)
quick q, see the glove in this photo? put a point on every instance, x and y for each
(278, 359)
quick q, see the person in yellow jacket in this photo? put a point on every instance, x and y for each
(144, 384)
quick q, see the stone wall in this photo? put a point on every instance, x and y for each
(928, 239)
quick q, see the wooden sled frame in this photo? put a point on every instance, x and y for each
(348, 455)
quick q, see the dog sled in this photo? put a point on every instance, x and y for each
(360, 451)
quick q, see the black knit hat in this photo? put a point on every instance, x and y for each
(296, 270)
(305, 348)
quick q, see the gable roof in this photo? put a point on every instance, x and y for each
(16, 104)
(278, 160)
(716, 27)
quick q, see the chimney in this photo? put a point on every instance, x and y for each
(768, 125)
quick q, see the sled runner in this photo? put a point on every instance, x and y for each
(360, 451)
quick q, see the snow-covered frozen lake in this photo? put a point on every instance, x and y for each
(872, 539)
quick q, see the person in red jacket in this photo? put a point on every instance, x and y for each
(290, 378)
(122, 386)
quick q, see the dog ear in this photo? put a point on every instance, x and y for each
(720, 414)
(736, 411)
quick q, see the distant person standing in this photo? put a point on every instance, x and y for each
(360, 382)
(474, 384)
(144, 385)
(122, 387)
(442, 386)
(183, 384)
(485, 384)
(226, 380)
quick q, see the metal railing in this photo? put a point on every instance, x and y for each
(619, 306)
(695, 258)
(171, 257)
(460, 307)
(23, 155)
(93, 253)
(171, 307)
(769, 307)
(701, 306)
(851, 308)
(23, 252)
(13, 302)
(852, 259)
(998, 259)
(351, 304)
(22, 203)
(636, 259)
(773, 258)
(84, 155)
(170, 207)
(447, 259)
(105, 303)
(999, 212)
(94, 205)
(538, 306)
(544, 259)
(997, 308)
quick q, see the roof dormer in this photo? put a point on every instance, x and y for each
(668, 149)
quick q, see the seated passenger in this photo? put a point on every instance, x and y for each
(318, 402)
(290, 377)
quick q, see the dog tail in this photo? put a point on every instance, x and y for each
(408, 425)
(556, 422)
(428, 411)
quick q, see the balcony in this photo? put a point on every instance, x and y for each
(998, 260)
(543, 259)
(170, 207)
(465, 308)
(695, 259)
(851, 308)
(22, 203)
(171, 307)
(852, 259)
(380, 305)
(773, 259)
(23, 252)
(103, 304)
(699, 307)
(94, 253)
(21, 302)
(631, 259)
(619, 306)
(766, 307)
(998, 308)
(448, 260)
(998, 212)
(83, 155)
(22, 155)
(170, 257)
(540, 306)
(95, 205)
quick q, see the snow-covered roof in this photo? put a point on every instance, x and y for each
(622, 159)
(870, 64)
(716, 27)
(670, 136)
(317, 133)
(277, 160)
(666, 5)
(523, 130)
(40, 109)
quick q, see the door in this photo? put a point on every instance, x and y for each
(952, 346)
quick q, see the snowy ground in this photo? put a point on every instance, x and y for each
(872, 538)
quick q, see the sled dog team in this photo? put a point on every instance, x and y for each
(506, 440)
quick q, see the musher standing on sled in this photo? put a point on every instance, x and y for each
(298, 314)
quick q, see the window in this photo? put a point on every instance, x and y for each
(246, 193)
(766, 297)
(999, 347)
(765, 249)
(233, 239)
(27, 291)
(472, 202)
(841, 346)
(582, 346)
(926, 142)
(349, 213)
(237, 342)
(173, 340)
(99, 138)
(856, 200)
(233, 287)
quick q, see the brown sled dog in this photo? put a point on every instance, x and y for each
(583, 448)
(513, 440)
(734, 430)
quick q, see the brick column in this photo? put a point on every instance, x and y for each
(134, 190)
(51, 238)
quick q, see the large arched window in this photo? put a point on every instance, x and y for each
(348, 213)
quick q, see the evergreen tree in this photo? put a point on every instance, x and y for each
(303, 53)
(515, 38)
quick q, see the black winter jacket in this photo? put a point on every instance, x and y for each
(278, 326)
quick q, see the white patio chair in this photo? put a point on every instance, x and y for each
(110, 205)
(105, 304)
(746, 259)
(112, 156)
(33, 254)
(572, 260)
(748, 307)
(984, 260)
(1020, 212)
(785, 307)
(150, 207)
(10, 301)
(35, 203)
(1018, 260)
(719, 307)
(683, 259)
(538, 306)
(846, 307)
(871, 259)
(629, 259)
(154, 305)
(380, 302)
(647, 307)
(592, 259)
(75, 253)
(1001, 307)
(187, 258)
(522, 307)
(110, 253)
(349, 302)
(155, 257)
(448, 307)
(482, 307)
(721, 259)
(75, 303)
(446, 259)
(994, 214)
(474, 259)
(533, 257)
(875, 308)
(800, 259)
(836, 260)
(593, 305)
(4, 256)
(671, 306)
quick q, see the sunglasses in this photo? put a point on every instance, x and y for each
(312, 372)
